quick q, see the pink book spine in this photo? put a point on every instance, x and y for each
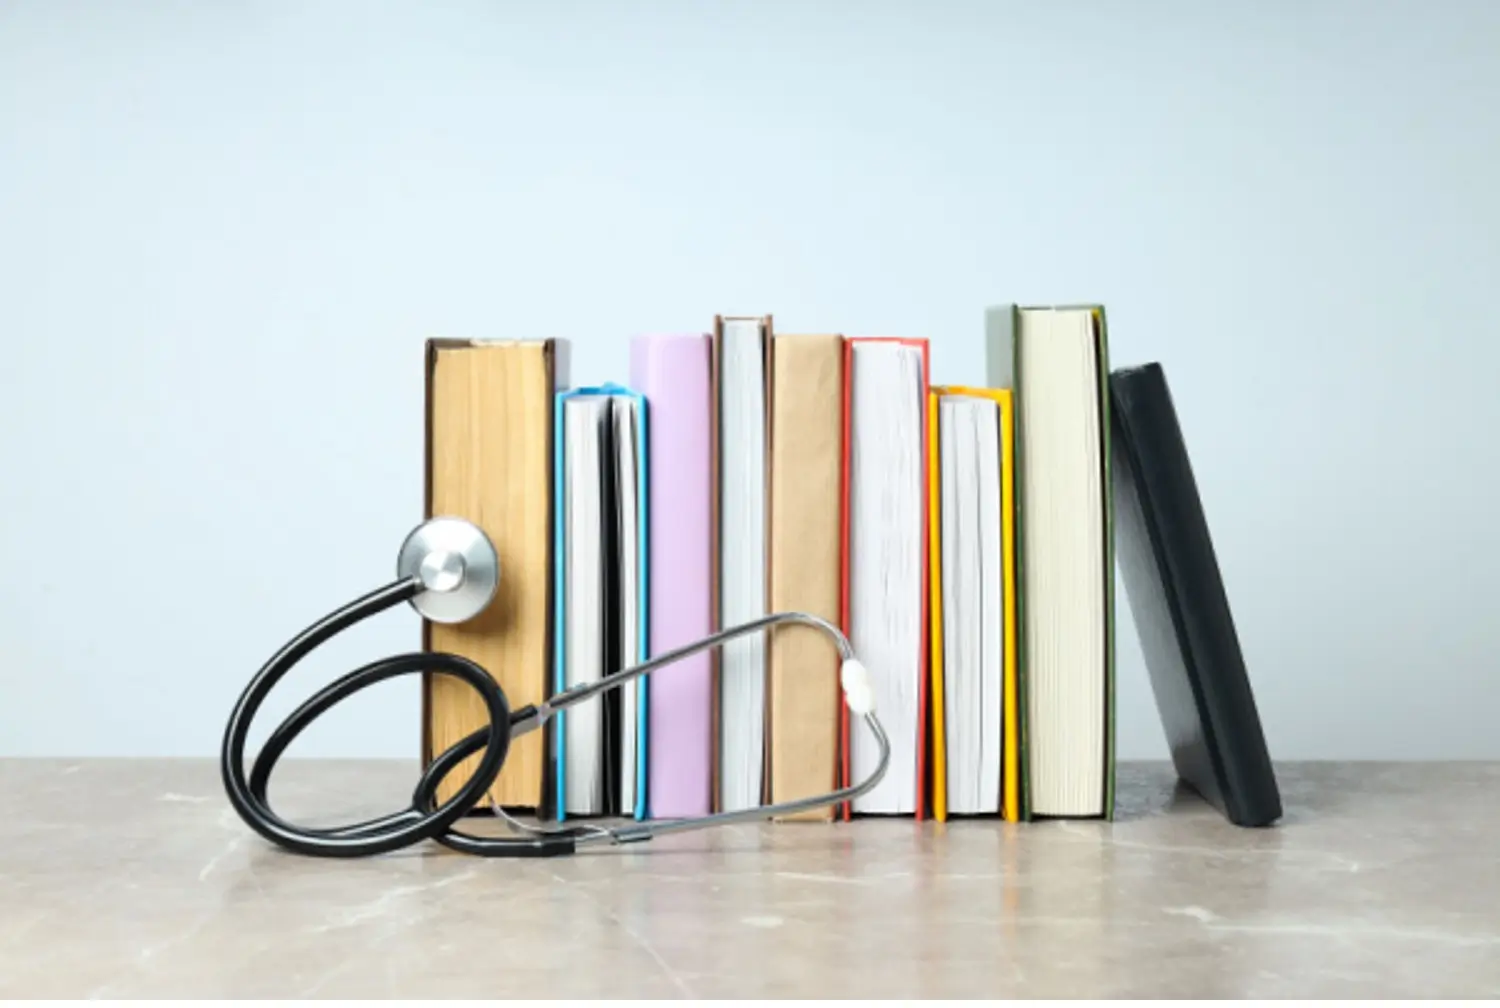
(672, 372)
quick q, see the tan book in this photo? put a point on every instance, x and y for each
(807, 409)
(489, 459)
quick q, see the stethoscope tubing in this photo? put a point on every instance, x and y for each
(425, 819)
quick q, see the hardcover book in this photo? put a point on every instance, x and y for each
(1180, 607)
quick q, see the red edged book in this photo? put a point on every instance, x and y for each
(884, 566)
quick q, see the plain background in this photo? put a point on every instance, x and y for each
(226, 229)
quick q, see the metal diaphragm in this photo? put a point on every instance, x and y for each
(457, 565)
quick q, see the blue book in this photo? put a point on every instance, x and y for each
(600, 523)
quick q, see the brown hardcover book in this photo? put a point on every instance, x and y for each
(807, 449)
(489, 459)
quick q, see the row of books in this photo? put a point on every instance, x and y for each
(960, 535)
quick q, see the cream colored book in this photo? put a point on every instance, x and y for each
(1057, 361)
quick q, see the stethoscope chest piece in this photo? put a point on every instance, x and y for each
(457, 566)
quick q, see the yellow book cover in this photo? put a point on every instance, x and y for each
(1012, 743)
(939, 762)
(1011, 793)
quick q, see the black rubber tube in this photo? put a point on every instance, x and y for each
(424, 819)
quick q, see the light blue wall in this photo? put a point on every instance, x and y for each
(225, 230)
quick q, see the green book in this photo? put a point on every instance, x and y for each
(1055, 359)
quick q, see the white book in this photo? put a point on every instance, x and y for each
(602, 501)
(887, 433)
(583, 492)
(742, 560)
(973, 611)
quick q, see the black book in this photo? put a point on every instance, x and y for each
(1181, 611)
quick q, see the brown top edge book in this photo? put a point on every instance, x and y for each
(488, 459)
(740, 711)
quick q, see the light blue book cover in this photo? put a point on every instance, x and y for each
(643, 581)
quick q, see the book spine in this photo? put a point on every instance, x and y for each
(806, 455)
(672, 372)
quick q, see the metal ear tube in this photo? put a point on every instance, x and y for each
(448, 571)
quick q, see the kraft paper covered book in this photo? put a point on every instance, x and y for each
(806, 456)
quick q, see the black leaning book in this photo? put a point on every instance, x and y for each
(1181, 612)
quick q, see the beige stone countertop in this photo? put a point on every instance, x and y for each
(135, 878)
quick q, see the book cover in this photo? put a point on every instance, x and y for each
(937, 694)
(806, 456)
(672, 372)
(1181, 609)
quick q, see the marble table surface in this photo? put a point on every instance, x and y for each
(135, 878)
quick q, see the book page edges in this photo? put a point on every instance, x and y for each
(1004, 399)
(922, 803)
(507, 651)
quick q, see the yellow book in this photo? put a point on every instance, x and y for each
(1012, 750)
(937, 704)
(1011, 793)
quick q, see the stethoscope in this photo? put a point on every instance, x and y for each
(448, 571)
